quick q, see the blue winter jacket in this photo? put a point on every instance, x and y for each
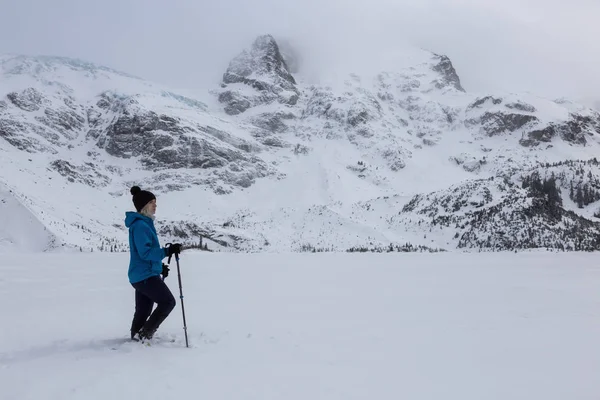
(146, 255)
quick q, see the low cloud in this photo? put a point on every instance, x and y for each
(545, 47)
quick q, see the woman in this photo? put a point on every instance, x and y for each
(145, 266)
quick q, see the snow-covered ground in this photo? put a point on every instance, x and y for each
(307, 326)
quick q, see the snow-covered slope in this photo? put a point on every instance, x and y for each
(21, 230)
(306, 326)
(277, 161)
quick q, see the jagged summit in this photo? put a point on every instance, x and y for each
(449, 76)
(264, 71)
(260, 75)
(263, 61)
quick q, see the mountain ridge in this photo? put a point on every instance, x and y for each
(282, 149)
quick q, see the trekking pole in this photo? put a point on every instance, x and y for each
(180, 294)
(181, 297)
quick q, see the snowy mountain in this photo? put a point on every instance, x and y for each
(393, 156)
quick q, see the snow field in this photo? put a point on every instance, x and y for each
(307, 326)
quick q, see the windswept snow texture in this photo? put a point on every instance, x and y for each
(307, 326)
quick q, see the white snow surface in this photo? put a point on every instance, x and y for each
(20, 229)
(307, 326)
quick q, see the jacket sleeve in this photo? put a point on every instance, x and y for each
(142, 237)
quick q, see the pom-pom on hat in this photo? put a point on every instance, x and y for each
(141, 197)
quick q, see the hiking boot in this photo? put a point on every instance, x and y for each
(145, 334)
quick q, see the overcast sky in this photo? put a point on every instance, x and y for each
(549, 47)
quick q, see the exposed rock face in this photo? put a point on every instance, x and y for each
(264, 60)
(13, 131)
(64, 120)
(273, 122)
(490, 100)
(521, 106)
(498, 215)
(86, 174)
(491, 116)
(133, 135)
(235, 103)
(165, 142)
(494, 101)
(33, 122)
(488, 117)
(469, 163)
(395, 158)
(496, 123)
(348, 111)
(573, 131)
(449, 77)
(28, 100)
(262, 69)
(123, 125)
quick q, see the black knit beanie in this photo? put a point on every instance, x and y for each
(141, 197)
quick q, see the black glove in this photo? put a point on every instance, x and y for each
(174, 248)
(165, 271)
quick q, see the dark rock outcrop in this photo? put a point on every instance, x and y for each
(65, 121)
(495, 123)
(483, 100)
(521, 106)
(449, 76)
(22, 135)
(273, 122)
(18, 134)
(235, 103)
(87, 174)
(29, 99)
(573, 131)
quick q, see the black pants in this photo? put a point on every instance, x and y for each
(147, 292)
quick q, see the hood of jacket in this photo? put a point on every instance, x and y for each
(131, 217)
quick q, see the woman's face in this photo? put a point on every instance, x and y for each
(152, 206)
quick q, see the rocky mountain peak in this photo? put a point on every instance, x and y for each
(263, 69)
(266, 52)
(449, 76)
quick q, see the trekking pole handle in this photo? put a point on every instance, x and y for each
(176, 254)
(167, 247)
